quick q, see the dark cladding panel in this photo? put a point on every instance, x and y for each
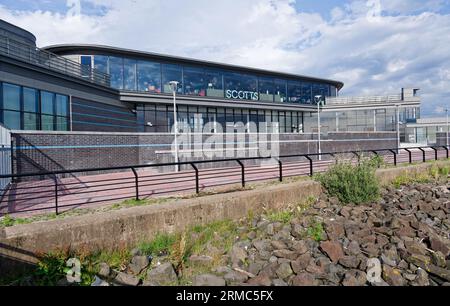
(94, 116)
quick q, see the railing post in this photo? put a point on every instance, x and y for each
(395, 157)
(410, 155)
(197, 180)
(280, 164)
(56, 195)
(311, 167)
(435, 153)
(424, 157)
(242, 172)
(136, 181)
(446, 149)
(357, 156)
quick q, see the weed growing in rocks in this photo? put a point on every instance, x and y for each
(160, 245)
(284, 217)
(352, 183)
(315, 231)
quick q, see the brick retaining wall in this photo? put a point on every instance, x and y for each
(47, 151)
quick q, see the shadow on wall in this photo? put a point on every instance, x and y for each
(26, 154)
(15, 262)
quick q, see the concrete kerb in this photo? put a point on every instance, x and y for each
(127, 227)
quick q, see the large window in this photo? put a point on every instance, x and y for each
(294, 91)
(266, 89)
(149, 76)
(11, 97)
(194, 81)
(172, 73)
(24, 108)
(241, 86)
(86, 68)
(31, 109)
(214, 83)
(129, 74)
(280, 90)
(47, 110)
(306, 96)
(116, 72)
(101, 63)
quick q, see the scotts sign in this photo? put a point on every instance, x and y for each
(242, 95)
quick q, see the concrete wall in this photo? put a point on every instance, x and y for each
(52, 151)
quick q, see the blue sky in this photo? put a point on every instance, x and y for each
(374, 46)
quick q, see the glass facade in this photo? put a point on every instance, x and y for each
(23, 108)
(159, 118)
(360, 120)
(154, 77)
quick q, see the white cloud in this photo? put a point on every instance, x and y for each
(371, 55)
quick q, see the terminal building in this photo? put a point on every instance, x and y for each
(100, 88)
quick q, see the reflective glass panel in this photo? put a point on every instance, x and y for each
(30, 121)
(149, 76)
(280, 90)
(86, 62)
(129, 74)
(62, 105)
(241, 86)
(11, 97)
(116, 72)
(30, 100)
(11, 120)
(61, 124)
(294, 91)
(101, 63)
(47, 122)
(47, 102)
(306, 93)
(214, 83)
(266, 89)
(171, 73)
(194, 81)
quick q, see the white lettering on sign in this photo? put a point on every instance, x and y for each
(242, 95)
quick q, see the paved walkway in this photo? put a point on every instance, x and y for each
(29, 198)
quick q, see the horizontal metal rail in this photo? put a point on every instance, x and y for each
(33, 55)
(60, 194)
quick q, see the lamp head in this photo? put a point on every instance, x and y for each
(318, 99)
(174, 85)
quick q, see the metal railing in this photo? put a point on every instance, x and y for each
(5, 158)
(33, 55)
(60, 194)
(363, 100)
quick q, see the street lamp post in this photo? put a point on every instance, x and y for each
(174, 87)
(447, 134)
(318, 101)
(398, 126)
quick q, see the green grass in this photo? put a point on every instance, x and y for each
(158, 246)
(8, 221)
(352, 183)
(437, 173)
(285, 216)
(315, 231)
